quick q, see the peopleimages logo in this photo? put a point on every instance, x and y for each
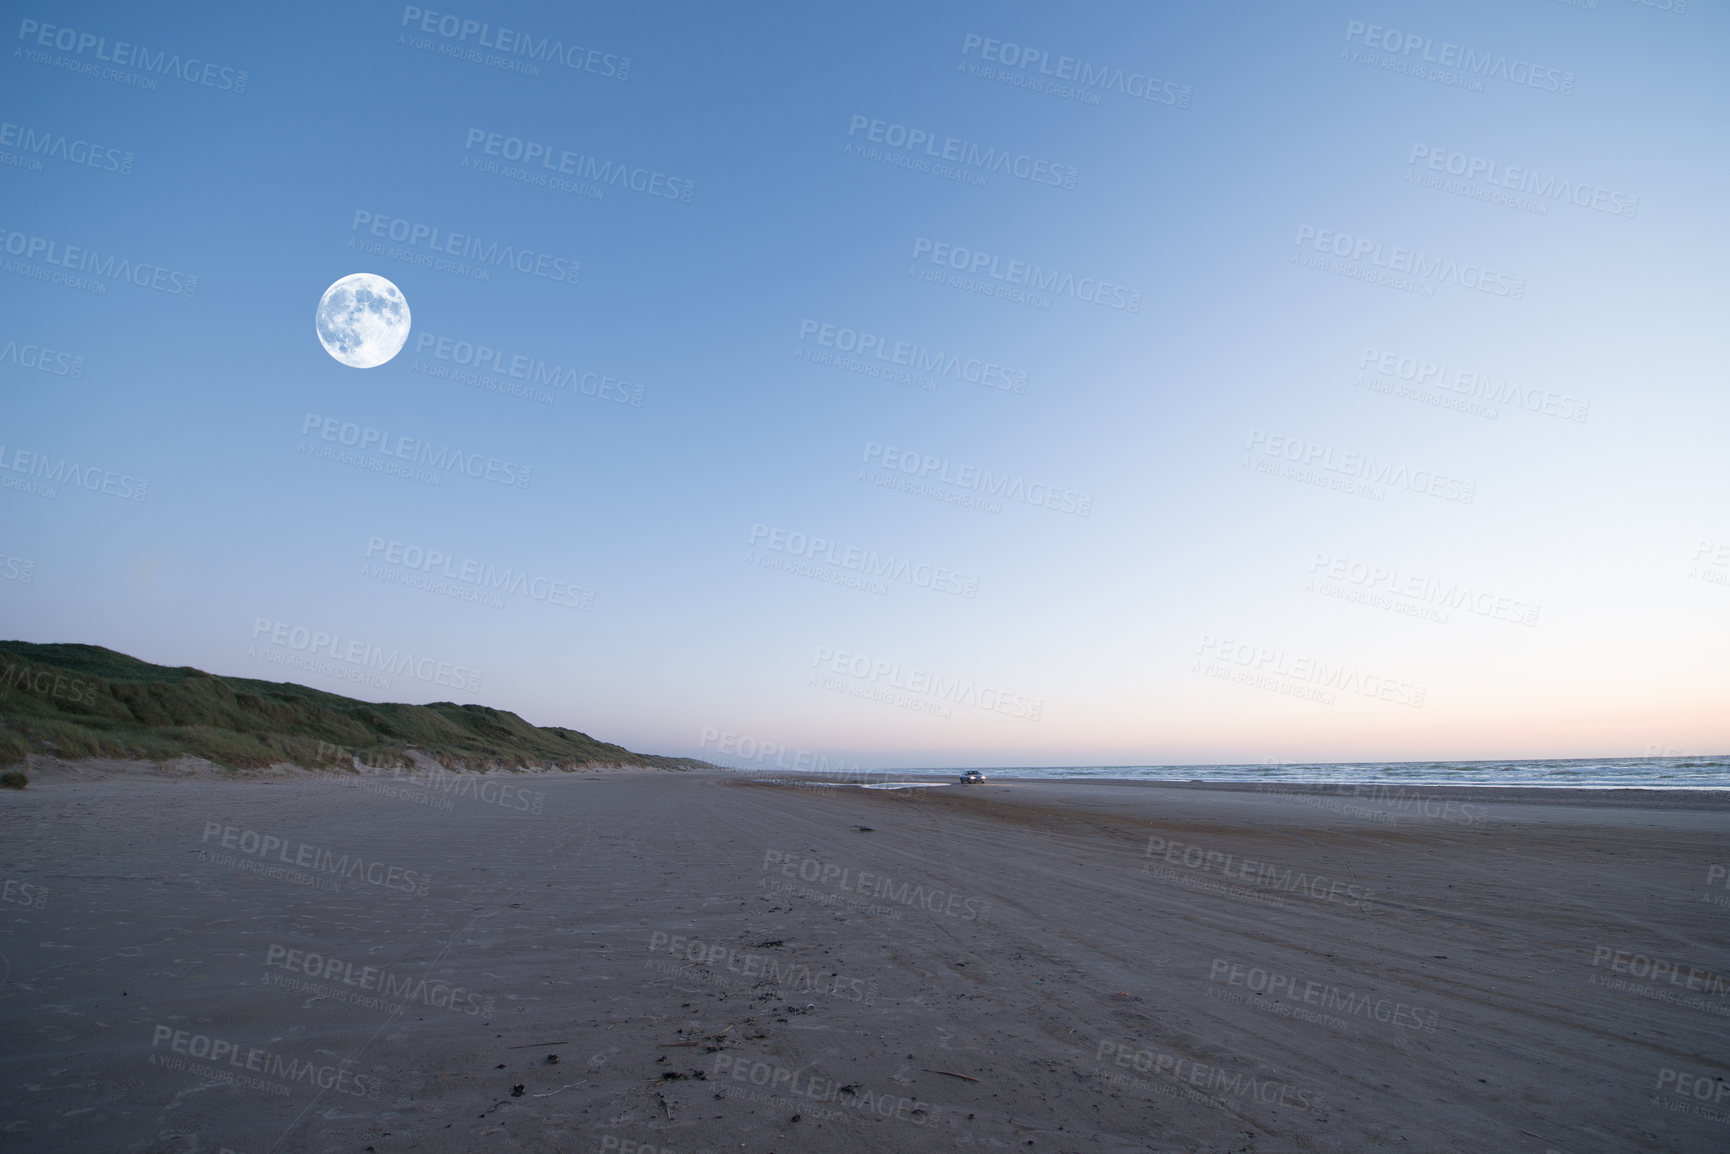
(442, 242)
(46, 683)
(878, 679)
(1211, 1084)
(914, 356)
(1005, 486)
(483, 577)
(59, 470)
(383, 983)
(1319, 673)
(515, 42)
(393, 447)
(866, 562)
(142, 274)
(365, 655)
(318, 859)
(880, 887)
(796, 976)
(239, 1056)
(1287, 989)
(1258, 874)
(1470, 382)
(965, 152)
(1415, 590)
(1520, 180)
(753, 750)
(1690, 978)
(1037, 70)
(1461, 62)
(1700, 1087)
(24, 893)
(974, 263)
(1358, 468)
(1711, 562)
(564, 162)
(1407, 268)
(59, 146)
(488, 363)
(126, 55)
(41, 358)
(801, 1087)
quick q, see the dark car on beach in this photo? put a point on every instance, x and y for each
(972, 777)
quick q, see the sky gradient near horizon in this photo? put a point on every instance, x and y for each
(989, 385)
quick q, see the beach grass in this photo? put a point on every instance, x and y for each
(84, 701)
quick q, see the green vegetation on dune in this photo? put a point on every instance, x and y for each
(78, 701)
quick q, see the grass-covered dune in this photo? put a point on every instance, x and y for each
(83, 701)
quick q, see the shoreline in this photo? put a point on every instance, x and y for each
(43, 770)
(1367, 792)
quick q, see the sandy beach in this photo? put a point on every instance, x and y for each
(332, 963)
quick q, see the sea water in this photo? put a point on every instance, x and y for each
(1691, 772)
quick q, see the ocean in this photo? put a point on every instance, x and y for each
(1692, 772)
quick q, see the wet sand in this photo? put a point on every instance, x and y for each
(290, 963)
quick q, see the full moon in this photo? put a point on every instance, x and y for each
(362, 320)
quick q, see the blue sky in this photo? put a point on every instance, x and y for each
(1411, 445)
